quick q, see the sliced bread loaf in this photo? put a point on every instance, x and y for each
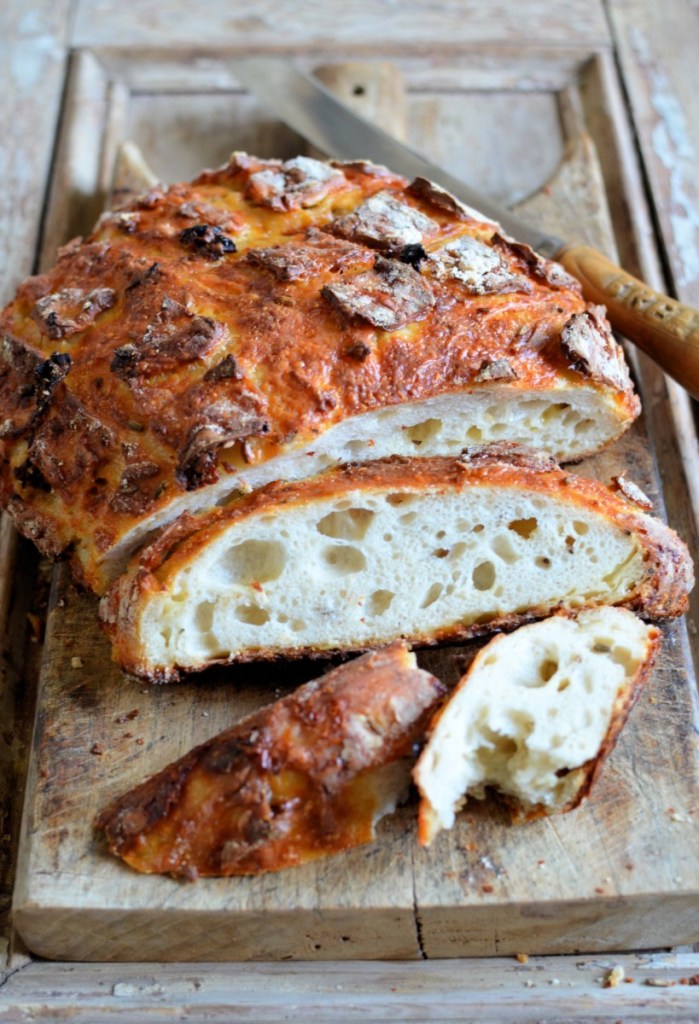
(425, 549)
(270, 319)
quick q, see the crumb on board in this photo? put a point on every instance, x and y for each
(76, 662)
(127, 716)
(97, 748)
(614, 977)
(522, 958)
(660, 982)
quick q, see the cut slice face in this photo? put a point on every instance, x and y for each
(535, 716)
(307, 776)
(425, 549)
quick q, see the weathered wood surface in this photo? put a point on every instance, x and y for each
(556, 990)
(657, 45)
(32, 64)
(619, 873)
(374, 28)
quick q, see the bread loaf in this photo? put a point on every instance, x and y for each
(266, 321)
(425, 549)
(535, 716)
(304, 777)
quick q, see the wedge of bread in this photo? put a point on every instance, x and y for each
(270, 319)
(535, 716)
(302, 778)
(425, 549)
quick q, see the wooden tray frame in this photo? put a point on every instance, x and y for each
(671, 422)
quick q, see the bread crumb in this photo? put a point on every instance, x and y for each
(660, 982)
(487, 887)
(523, 958)
(76, 662)
(614, 977)
(599, 889)
(529, 984)
(96, 748)
(555, 981)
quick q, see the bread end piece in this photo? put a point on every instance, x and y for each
(535, 716)
(307, 776)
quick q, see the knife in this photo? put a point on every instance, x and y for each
(665, 329)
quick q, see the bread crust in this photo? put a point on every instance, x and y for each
(291, 782)
(215, 325)
(662, 592)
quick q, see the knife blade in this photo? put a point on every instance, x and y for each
(666, 330)
(304, 104)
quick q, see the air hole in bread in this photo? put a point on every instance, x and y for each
(349, 524)
(440, 552)
(259, 561)
(355, 448)
(432, 595)
(523, 527)
(584, 426)
(204, 616)
(483, 576)
(400, 498)
(503, 548)
(408, 517)
(343, 559)
(580, 527)
(542, 562)
(252, 614)
(380, 601)
(563, 685)
(554, 412)
(547, 670)
(474, 434)
(428, 430)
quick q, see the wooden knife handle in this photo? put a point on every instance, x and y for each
(663, 328)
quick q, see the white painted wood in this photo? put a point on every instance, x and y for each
(657, 46)
(374, 27)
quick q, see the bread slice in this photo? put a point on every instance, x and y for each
(302, 778)
(425, 549)
(535, 716)
(271, 319)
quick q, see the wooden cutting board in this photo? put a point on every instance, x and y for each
(620, 872)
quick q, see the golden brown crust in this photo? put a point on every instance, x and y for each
(662, 592)
(217, 324)
(291, 782)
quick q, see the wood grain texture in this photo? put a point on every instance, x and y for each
(481, 890)
(657, 46)
(32, 67)
(374, 27)
(558, 990)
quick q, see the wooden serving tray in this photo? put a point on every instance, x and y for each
(619, 873)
